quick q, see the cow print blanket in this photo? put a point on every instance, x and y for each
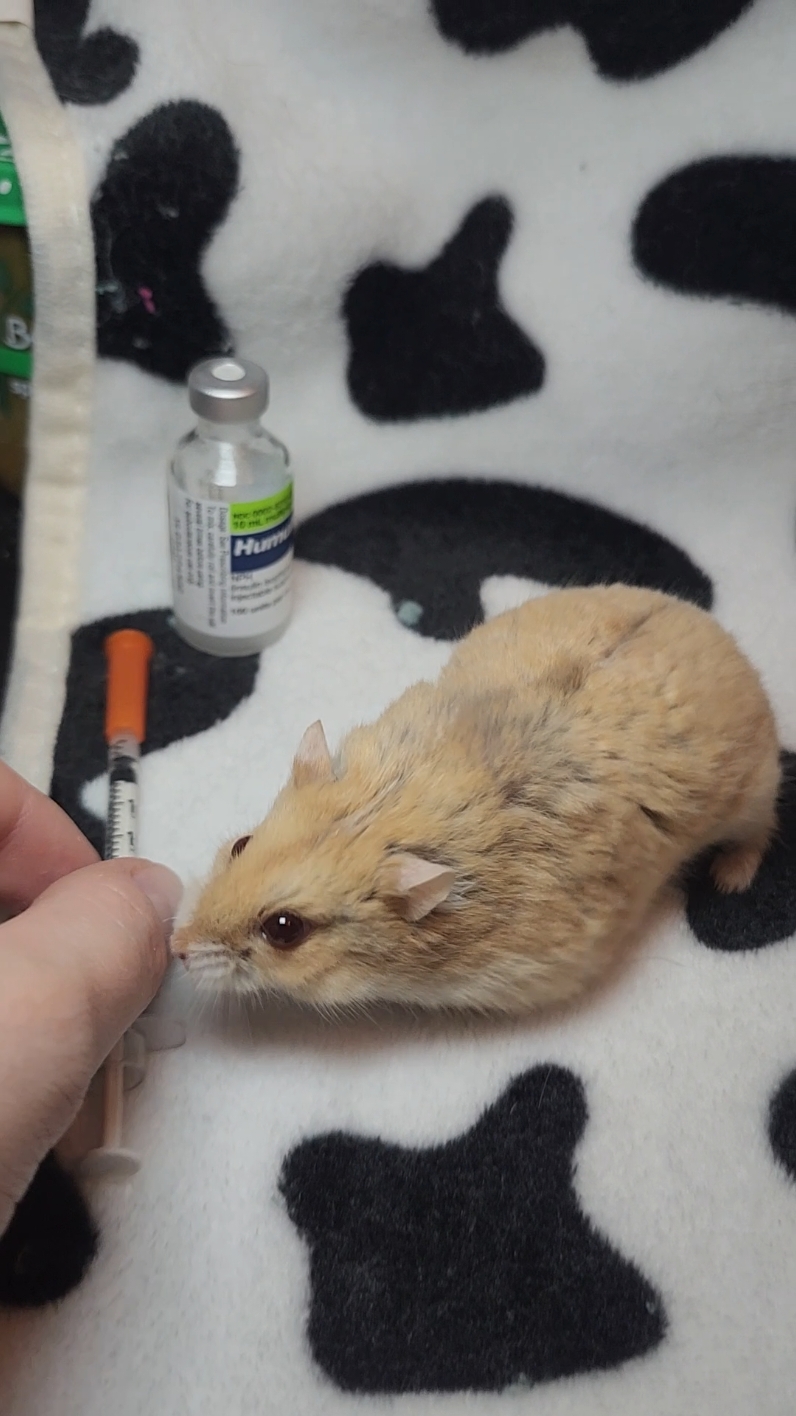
(524, 278)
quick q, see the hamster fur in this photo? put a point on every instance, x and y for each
(494, 839)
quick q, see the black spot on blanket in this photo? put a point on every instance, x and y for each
(94, 69)
(188, 693)
(431, 545)
(723, 227)
(627, 39)
(9, 565)
(167, 187)
(766, 912)
(782, 1124)
(469, 1265)
(437, 341)
(50, 1241)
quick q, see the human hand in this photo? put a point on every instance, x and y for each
(78, 964)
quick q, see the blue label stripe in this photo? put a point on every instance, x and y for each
(255, 550)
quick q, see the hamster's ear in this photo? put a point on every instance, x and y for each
(416, 886)
(313, 760)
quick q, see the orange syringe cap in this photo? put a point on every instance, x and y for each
(128, 652)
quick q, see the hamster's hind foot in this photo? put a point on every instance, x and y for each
(734, 868)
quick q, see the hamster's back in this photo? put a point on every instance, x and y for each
(660, 705)
(580, 628)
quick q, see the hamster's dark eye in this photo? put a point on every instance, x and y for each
(285, 930)
(240, 845)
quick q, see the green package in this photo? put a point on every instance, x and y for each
(16, 321)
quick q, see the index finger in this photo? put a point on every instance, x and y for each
(38, 842)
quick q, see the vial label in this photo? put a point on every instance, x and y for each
(231, 562)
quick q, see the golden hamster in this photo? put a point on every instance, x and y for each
(495, 838)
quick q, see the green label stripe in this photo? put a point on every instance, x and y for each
(246, 517)
(12, 207)
(18, 362)
(12, 211)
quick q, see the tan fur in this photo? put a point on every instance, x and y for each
(573, 754)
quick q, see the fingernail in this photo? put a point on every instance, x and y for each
(164, 889)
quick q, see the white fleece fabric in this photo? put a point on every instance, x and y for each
(364, 136)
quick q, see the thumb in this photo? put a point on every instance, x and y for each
(76, 968)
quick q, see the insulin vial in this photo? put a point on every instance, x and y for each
(231, 515)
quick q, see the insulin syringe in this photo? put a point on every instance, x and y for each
(128, 653)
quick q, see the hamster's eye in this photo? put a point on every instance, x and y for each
(285, 930)
(240, 845)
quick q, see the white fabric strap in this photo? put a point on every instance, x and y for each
(54, 188)
(16, 12)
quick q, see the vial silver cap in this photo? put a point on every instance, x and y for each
(228, 390)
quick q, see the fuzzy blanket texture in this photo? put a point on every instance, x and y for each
(523, 274)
